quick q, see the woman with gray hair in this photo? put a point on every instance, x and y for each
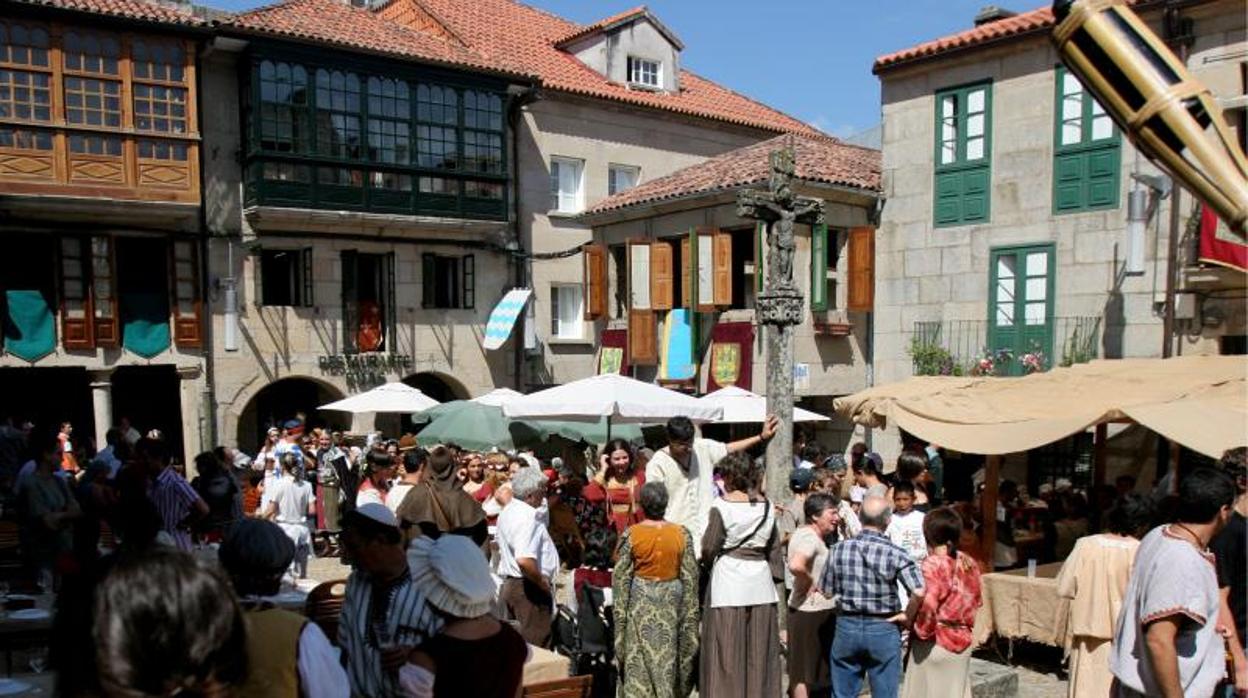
(740, 630)
(655, 587)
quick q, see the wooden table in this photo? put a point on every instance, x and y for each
(40, 684)
(544, 665)
(19, 633)
(1018, 607)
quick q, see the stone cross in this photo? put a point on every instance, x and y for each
(780, 304)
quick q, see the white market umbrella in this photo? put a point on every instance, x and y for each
(742, 406)
(391, 397)
(618, 398)
(497, 397)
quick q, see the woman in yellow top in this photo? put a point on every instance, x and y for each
(656, 604)
(1094, 578)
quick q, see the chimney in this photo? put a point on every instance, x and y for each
(992, 13)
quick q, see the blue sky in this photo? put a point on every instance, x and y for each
(809, 58)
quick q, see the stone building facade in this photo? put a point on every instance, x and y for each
(1007, 188)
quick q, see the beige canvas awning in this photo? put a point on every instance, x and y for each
(1198, 401)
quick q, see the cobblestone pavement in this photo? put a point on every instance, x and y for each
(1036, 667)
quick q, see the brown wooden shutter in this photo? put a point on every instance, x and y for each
(661, 284)
(643, 344)
(595, 283)
(104, 292)
(861, 263)
(76, 332)
(722, 273)
(187, 304)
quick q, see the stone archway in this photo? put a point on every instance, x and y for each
(438, 386)
(285, 399)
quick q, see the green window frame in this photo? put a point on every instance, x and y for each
(356, 134)
(1021, 285)
(824, 256)
(1087, 149)
(963, 155)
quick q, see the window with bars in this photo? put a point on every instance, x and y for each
(1087, 150)
(285, 124)
(963, 154)
(338, 114)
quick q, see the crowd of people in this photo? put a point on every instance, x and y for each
(677, 572)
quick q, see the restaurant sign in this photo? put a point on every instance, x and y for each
(364, 371)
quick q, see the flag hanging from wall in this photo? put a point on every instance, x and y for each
(731, 356)
(503, 317)
(1218, 245)
(613, 352)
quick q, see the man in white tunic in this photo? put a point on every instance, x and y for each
(686, 467)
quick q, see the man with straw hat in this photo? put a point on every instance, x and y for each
(287, 655)
(453, 574)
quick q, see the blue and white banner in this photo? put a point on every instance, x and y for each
(504, 315)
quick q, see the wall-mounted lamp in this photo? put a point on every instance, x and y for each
(1141, 202)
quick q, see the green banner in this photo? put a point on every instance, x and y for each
(145, 323)
(29, 324)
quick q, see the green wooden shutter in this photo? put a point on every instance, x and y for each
(350, 300)
(428, 280)
(962, 186)
(468, 271)
(819, 267)
(1086, 170)
(1021, 284)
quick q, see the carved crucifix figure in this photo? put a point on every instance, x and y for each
(780, 304)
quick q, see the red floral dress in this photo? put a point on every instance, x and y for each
(951, 597)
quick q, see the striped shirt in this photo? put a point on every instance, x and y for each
(407, 620)
(173, 497)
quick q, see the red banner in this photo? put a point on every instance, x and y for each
(1218, 245)
(613, 352)
(731, 356)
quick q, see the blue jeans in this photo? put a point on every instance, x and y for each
(866, 645)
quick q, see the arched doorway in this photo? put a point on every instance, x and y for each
(286, 399)
(438, 386)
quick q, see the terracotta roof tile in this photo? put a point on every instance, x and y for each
(337, 23)
(602, 24)
(128, 9)
(819, 159)
(526, 36)
(1018, 25)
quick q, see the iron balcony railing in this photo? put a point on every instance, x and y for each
(965, 347)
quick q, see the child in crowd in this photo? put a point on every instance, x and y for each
(906, 527)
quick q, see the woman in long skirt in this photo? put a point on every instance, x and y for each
(740, 630)
(655, 587)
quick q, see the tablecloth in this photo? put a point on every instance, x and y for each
(1018, 607)
(544, 665)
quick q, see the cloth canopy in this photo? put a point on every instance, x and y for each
(388, 398)
(618, 398)
(1200, 402)
(742, 406)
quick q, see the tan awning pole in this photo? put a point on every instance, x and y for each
(992, 477)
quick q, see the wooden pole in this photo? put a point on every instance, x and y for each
(988, 502)
(1099, 455)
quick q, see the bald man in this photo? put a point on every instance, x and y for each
(863, 573)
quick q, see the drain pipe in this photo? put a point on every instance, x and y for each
(519, 256)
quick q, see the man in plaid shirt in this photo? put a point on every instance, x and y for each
(863, 573)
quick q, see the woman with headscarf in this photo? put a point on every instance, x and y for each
(288, 656)
(438, 504)
(453, 575)
(655, 586)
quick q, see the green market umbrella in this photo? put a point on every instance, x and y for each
(476, 427)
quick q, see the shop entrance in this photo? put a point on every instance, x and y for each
(285, 399)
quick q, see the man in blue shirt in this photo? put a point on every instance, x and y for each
(862, 573)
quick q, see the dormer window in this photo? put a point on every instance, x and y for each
(644, 72)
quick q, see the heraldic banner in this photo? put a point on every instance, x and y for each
(613, 352)
(1218, 245)
(731, 356)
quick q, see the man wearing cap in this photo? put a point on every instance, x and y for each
(287, 655)
(685, 468)
(527, 558)
(384, 615)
